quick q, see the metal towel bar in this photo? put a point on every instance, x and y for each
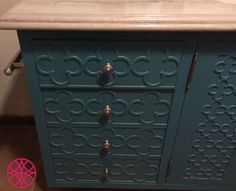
(15, 63)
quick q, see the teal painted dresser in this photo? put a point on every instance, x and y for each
(133, 109)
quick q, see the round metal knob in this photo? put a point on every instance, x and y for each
(107, 145)
(9, 71)
(106, 174)
(107, 111)
(107, 69)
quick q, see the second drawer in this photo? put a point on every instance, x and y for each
(103, 108)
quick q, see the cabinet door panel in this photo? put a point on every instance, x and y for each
(204, 151)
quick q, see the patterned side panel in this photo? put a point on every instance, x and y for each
(86, 107)
(215, 143)
(135, 64)
(131, 170)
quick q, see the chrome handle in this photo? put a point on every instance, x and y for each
(15, 63)
(107, 69)
(107, 145)
(107, 111)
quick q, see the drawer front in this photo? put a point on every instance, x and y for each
(123, 141)
(87, 107)
(140, 170)
(135, 64)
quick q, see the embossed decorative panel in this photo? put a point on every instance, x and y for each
(86, 107)
(207, 135)
(122, 110)
(83, 169)
(137, 94)
(80, 63)
(125, 141)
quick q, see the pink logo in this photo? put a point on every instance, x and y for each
(21, 173)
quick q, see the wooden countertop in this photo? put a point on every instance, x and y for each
(122, 15)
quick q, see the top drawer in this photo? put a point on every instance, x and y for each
(116, 64)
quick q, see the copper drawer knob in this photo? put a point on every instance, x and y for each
(107, 111)
(107, 69)
(107, 145)
(106, 174)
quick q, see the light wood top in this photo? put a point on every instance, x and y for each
(125, 15)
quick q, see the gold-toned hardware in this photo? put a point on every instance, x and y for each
(15, 63)
(107, 111)
(107, 69)
(107, 145)
(106, 174)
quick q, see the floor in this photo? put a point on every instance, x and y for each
(18, 142)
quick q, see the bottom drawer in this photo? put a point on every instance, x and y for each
(106, 171)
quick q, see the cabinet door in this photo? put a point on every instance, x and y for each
(204, 151)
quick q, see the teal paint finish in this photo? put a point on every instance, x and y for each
(138, 125)
(177, 101)
(69, 140)
(78, 129)
(139, 171)
(83, 107)
(204, 152)
(136, 64)
(37, 106)
(148, 127)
